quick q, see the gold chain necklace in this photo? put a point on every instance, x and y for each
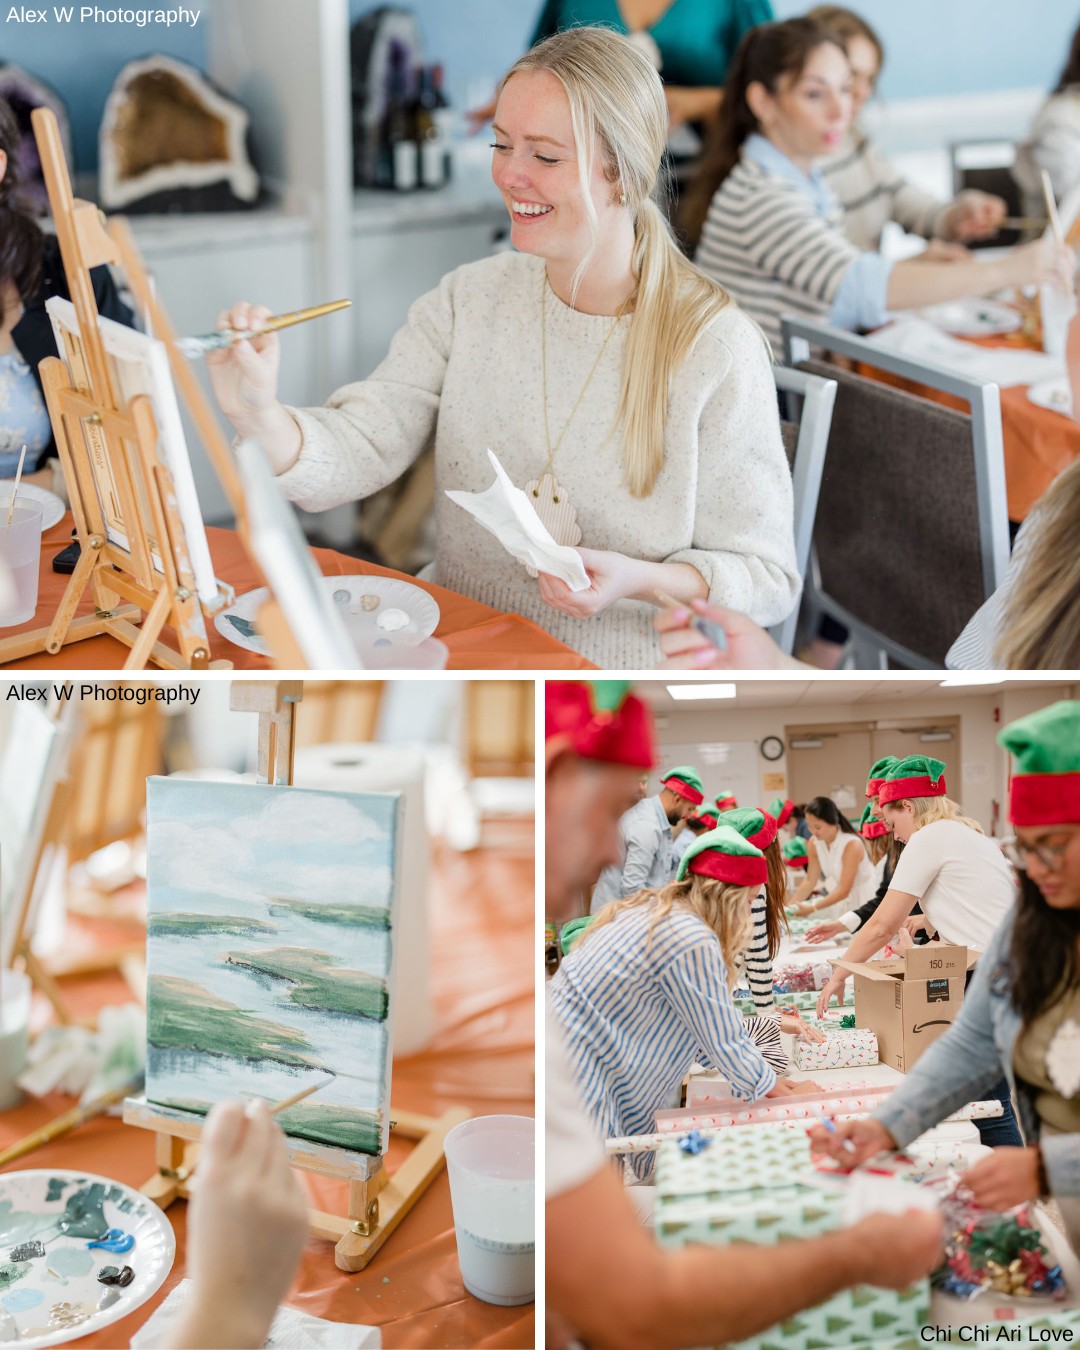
(538, 486)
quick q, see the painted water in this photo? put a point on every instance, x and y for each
(269, 951)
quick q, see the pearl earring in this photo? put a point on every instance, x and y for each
(622, 198)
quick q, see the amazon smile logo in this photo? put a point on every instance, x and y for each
(940, 1022)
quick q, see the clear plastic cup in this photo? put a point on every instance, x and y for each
(492, 1166)
(14, 1024)
(20, 555)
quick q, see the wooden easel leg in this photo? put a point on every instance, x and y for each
(73, 593)
(167, 1184)
(41, 978)
(149, 631)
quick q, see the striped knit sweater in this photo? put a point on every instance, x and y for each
(637, 1011)
(757, 962)
(765, 242)
(871, 191)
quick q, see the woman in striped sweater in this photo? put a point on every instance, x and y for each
(647, 991)
(765, 223)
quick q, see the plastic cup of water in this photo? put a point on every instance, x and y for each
(491, 1163)
(20, 558)
(14, 1023)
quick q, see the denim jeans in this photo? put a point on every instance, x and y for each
(999, 1131)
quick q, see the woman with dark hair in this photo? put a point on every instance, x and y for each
(765, 223)
(867, 186)
(838, 855)
(1021, 1013)
(1054, 143)
(31, 272)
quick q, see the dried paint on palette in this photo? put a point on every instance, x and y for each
(271, 920)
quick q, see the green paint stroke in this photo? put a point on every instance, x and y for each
(10, 1274)
(319, 983)
(182, 1015)
(364, 916)
(345, 1126)
(198, 925)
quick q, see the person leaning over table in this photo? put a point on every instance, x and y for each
(696, 824)
(763, 219)
(595, 351)
(690, 43)
(867, 187)
(608, 1283)
(837, 854)
(648, 848)
(1021, 1014)
(958, 876)
(647, 991)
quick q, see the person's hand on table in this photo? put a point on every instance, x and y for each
(784, 1087)
(1042, 261)
(868, 1137)
(943, 250)
(749, 646)
(821, 932)
(1008, 1177)
(833, 988)
(974, 215)
(803, 909)
(612, 577)
(793, 1025)
(246, 1229)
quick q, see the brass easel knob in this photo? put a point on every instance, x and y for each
(366, 1226)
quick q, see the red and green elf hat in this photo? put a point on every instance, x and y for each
(708, 815)
(755, 825)
(725, 800)
(724, 855)
(871, 826)
(685, 781)
(794, 853)
(916, 776)
(1045, 785)
(877, 774)
(602, 720)
(780, 809)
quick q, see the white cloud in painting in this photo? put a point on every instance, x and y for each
(314, 817)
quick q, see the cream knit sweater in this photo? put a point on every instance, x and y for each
(465, 370)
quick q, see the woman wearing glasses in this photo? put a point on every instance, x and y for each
(1021, 1015)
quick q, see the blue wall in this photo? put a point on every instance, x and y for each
(935, 47)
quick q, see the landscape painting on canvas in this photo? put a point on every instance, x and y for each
(270, 933)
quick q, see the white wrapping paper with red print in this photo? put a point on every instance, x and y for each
(852, 1049)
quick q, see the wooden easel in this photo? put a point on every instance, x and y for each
(377, 1201)
(134, 599)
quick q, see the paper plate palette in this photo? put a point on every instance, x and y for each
(973, 318)
(52, 507)
(54, 1297)
(381, 614)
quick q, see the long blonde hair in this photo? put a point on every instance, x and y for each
(929, 809)
(726, 910)
(1040, 628)
(617, 110)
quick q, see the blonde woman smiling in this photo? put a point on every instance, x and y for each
(595, 353)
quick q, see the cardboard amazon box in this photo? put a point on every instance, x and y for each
(910, 1000)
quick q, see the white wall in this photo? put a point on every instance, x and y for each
(983, 777)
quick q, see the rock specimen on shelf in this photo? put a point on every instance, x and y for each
(171, 141)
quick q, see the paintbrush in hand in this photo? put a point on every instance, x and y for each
(194, 347)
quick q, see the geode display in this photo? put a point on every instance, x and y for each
(25, 92)
(172, 141)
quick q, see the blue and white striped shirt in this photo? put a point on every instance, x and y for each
(637, 1013)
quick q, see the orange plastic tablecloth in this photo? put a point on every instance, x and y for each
(479, 637)
(1039, 443)
(481, 1057)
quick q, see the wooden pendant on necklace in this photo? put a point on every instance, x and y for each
(555, 511)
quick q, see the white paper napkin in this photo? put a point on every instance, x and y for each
(290, 1329)
(921, 341)
(508, 514)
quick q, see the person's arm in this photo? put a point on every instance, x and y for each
(695, 985)
(759, 964)
(246, 1229)
(642, 841)
(749, 647)
(368, 433)
(877, 930)
(914, 283)
(808, 885)
(849, 867)
(611, 1285)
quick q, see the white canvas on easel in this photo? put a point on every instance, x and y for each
(140, 365)
(32, 759)
(277, 541)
